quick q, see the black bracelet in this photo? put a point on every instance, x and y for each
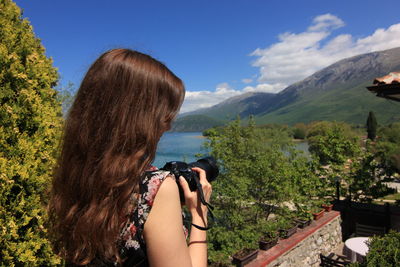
(200, 227)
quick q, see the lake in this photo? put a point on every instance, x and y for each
(184, 147)
(179, 147)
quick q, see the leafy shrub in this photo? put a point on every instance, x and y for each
(30, 122)
(388, 145)
(332, 142)
(299, 131)
(383, 251)
(260, 172)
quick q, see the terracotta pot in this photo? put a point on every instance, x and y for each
(265, 245)
(327, 208)
(302, 223)
(286, 233)
(318, 215)
(244, 256)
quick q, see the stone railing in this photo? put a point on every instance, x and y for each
(303, 248)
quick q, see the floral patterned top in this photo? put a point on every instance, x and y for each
(131, 242)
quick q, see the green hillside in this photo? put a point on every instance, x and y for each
(342, 104)
(195, 123)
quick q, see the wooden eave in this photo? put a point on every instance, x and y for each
(389, 91)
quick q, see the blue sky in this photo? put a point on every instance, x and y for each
(219, 48)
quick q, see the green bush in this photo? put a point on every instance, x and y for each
(30, 122)
(383, 251)
(299, 131)
(388, 145)
(260, 173)
(332, 142)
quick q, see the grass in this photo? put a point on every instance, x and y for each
(392, 196)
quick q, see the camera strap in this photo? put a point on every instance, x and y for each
(203, 201)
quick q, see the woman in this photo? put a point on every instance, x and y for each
(108, 206)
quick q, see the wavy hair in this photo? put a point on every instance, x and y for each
(125, 103)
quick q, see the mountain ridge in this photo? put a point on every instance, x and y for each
(336, 92)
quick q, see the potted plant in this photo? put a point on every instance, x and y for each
(268, 241)
(287, 228)
(317, 213)
(269, 237)
(244, 256)
(327, 207)
(303, 219)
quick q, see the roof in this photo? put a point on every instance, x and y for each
(387, 86)
(391, 78)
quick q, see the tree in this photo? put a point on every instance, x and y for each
(371, 126)
(30, 123)
(389, 147)
(299, 131)
(66, 95)
(332, 142)
(260, 174)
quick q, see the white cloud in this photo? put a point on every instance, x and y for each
(298, 55)
(325, 22)
(266, 88)
(204, 99)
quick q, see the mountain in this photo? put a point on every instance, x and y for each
(244, 105)
(337, 92)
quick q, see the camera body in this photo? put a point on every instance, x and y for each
(179, 168)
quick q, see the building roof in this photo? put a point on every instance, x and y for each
(387, 86)
(391, 78)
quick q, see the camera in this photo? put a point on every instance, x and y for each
(179, 168)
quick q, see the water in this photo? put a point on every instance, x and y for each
(179, 147)
(184, 147)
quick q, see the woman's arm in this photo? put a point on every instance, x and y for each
(163, 232)
(198, 238)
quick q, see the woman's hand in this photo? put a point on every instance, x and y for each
(192, 199)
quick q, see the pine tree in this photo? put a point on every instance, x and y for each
(30, 123)
(371, 126)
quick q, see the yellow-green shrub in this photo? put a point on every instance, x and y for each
(30, 122)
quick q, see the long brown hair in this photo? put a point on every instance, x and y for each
(126, 101)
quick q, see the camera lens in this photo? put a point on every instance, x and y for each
(209, 165)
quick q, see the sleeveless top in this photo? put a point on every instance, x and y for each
(131, 242)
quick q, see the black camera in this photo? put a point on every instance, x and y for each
(179, 168)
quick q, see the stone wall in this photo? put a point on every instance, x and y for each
(306, 253)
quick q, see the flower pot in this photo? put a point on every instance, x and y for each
(244, 256)
(327, 208)
(286, 233)
(267, 244)
(318, 215)
(302, 223)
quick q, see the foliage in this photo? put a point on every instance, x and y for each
(195, 123)
(66, 96)
(332, 142)
(299, 131)
(306, 181)
(30, 122)
(269, 229)
(383, 251)
(365, 178)
(371, 126)
(260, 174)
(388, 144)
